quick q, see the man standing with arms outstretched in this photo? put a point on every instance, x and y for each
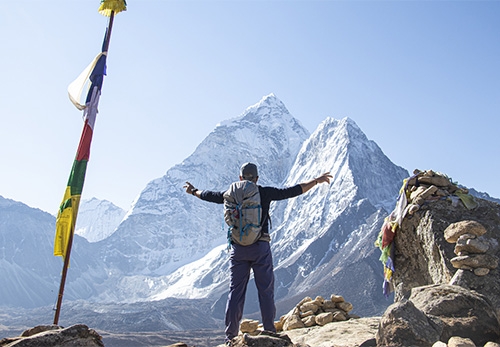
(256, 256)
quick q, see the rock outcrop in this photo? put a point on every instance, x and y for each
(443, 249)
(51, 335)
(423, 256)
(437, 313)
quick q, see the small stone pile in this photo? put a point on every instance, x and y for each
(320, 311)
(306, 313)
(471, 247)
(430, 186)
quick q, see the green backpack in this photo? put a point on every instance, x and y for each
(243, 212)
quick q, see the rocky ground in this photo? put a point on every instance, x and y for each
(446, 282)
(352, 333)
(198, 338)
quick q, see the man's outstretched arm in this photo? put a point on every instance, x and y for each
(190, 189)
(206, 195)
(324, 178)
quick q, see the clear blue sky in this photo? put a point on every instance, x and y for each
(420, 78)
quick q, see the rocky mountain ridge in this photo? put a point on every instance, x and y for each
(322, 241)
(143, 259)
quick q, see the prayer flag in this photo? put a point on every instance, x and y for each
(92, 76)
(68, 210)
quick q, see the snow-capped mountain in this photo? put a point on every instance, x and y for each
(98, 219)
(166, 228)
(30, 273)
(171, 244)
(325, 244)
(319, 238)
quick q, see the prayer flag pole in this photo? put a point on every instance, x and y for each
(68, 210)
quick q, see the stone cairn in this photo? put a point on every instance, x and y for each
(307, 313)
(471, 247)
(431, 186)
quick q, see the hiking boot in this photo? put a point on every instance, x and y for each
(229, 343)
(273, 334)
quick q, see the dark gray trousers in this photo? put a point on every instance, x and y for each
(258, 258)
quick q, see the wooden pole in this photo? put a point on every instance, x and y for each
(105, 47)
(63, 276)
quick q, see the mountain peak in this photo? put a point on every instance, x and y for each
(270, 99)
(268, 109)
(359, 167)
(266, 105)
(164, 216)
(345, 125)
(97, 219)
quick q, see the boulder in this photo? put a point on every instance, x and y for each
(437, 313)
(350, 333)
(309, 306)
(405, 325)
(249, 325)
(489, 285)
(306, 314)
(466, 244)
(345, 306)
(455, 230)
(457, 341)
(319, 300)
(324, 318)
(293, 322)
(52, 336)
(336, 298)
(462, 312)
(474, 261)
(309, 321)
(328, 304)
(39, 329)
(423, 255)
(481, 271)
(339, 316)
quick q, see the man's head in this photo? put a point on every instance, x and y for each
(249, 172)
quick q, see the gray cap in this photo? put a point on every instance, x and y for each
(249, 171)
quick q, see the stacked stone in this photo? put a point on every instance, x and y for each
(250, 326)
(429, 186)
(320, 311)
(471, 247)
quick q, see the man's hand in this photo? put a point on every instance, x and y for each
(190, 189)
(324, 178)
